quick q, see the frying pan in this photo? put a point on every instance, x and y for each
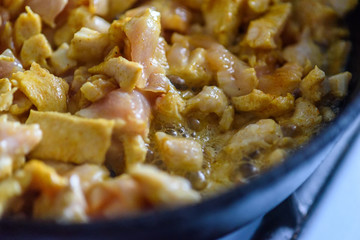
(225, 212)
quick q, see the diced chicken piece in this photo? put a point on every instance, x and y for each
(158, 83)
(10, 189)
(6, 94)
(88, 174)
(339, 84)
(282, 81)
(261, 135)
(311, 85)
(179, 154)
(59, 60)
(234, 76)
(131, 111)
(170, 105)
(117, 197)
(306, 116)
(88, 45)
(98, 24)
(321, 18)
(100, 8)
(174, 17)
(45, 91)
(162, 189)
(48, 10)
(66, 205)
(264, 105)
(255, 101)
(227, 118)
(77, 19)
(118, 6)
(143, 32)
(20, 104)
(209, 100)
(37, 176)
(327, 114)
(189, 65)
(97, 88)
(9, 64)
(258, 6)
(27, 25)
(128, 74)
(16, 141)
(90, 138)
(263, 32)
(306, 51)
(223, 18)
(36, 49)
(135, 150)
(342, 7)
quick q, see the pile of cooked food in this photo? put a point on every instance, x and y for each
(109, 108)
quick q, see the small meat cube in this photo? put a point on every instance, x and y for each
(125, 72)
(77, 19)
(162, 189)
(188, 64)
(282, 81)
(180, 154)
(143, 33)
(339, 84)
(100, 8)
(35, 49)
(9, 64)
(121, 196)
(170, 105)
(45, 91)
(90, 139)
(59, 60)
(263, 32)
(174, 17)
(97, 88)
(88, 45)
(261, 135)
(98, 24)
(37, 176)
(131, 111)
(223, 18)
(88, 174)
(258, 6)
(304, 52)
(311, 85)
(234, 76)
(10, 188)
(227, 118)
(255, 101)
(264, 105)
(135, 150)
(16, 142)
(209, 100)
(66, 205)
(48, 10)
(6, 94)
(27, 25)
(20, 105)
(306, 115)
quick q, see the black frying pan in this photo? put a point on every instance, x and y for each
(224, 213)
